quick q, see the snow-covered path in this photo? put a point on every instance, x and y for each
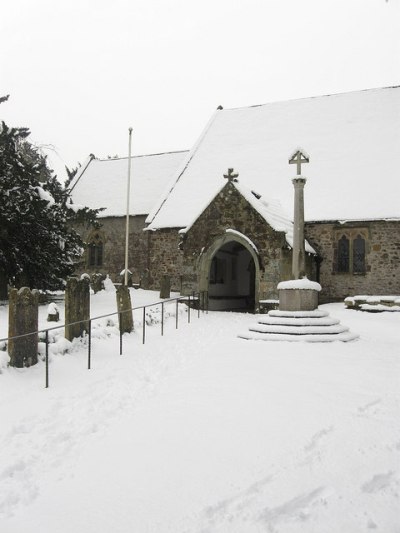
(202, 432)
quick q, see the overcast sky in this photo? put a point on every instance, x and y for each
(79, 73)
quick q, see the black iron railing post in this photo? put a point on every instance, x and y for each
(120, 334)
(47, 358)
(89, 362)
(162, 318)
(189, 310)
(144, 325)
(177, 313)
(198, 306)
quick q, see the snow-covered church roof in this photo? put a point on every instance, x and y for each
(352, 139)
(103, 182)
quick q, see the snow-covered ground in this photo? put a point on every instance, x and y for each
(199, 431)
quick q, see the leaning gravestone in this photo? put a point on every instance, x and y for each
(23, 319)
(124, 307)
(77, 307)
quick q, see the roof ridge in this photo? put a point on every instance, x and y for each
(181, 170)
(141, 155)
(312, 97)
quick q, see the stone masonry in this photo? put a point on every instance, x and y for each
(229, 210)
(165, 258)
(382, 273)
(112, 233)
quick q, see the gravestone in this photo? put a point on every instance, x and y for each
(165, 289)
(129, 278)
(23, 319)
(124, 307)
(53, 314)
(77, 307)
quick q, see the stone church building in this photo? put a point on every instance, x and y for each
(218, 218)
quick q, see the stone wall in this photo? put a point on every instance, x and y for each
(229, 210)
(382, 273)
(165, 258)
(112, 232)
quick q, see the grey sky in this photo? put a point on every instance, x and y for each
(81, 72)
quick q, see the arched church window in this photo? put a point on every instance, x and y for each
(358, 254)
(95, 251)
(352, 248)
(343, 254)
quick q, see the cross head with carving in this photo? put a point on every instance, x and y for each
(298, 159)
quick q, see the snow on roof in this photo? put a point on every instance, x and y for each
(270, 210)
(103, 182)
(352, 140)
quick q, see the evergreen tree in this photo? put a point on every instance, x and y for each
(38, 243)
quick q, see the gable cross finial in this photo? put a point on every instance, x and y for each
(232, 175)
(298, 158)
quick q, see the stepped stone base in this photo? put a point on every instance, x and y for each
(308, 326)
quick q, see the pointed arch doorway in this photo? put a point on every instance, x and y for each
(230, 273)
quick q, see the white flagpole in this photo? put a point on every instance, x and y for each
(127, 208)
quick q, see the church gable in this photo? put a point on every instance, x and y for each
(231, 210)
(231, 218)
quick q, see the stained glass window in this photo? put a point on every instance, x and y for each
(358, 254)
(343, 254)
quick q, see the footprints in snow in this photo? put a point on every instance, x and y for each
(381, 482)
(368, 408)
(317, 438)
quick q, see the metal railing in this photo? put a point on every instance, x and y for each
(199, 299)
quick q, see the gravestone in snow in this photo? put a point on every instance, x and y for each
(124, 307)
(23, 319)
(77, 307)
(165, 288)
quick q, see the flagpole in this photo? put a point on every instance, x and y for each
(127, 209)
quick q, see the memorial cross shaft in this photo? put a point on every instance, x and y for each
(298, 257)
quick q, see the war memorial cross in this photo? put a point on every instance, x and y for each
(298, 159)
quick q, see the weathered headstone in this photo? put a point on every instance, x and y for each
(129, 277)
(165, 288)
(77, 307)
(124, 307)
(23, 319)
(53, 314)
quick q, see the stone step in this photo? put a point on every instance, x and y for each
(316, 313)
(343, 337)
(293, 321)
(299, 330)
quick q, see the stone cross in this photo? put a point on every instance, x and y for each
(232, 175)
(297, 159)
